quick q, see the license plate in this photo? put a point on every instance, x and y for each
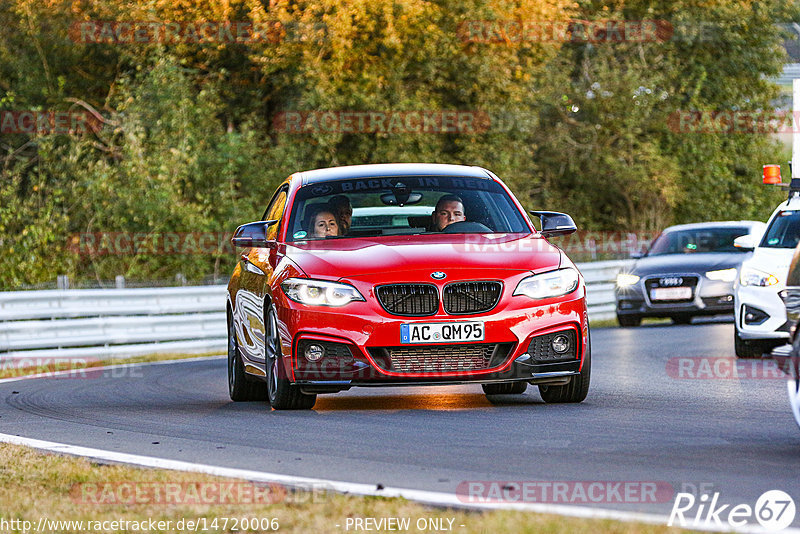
(441, 332)
(671, 293)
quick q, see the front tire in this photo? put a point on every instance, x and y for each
(282, 395)
(578, 386)
(681, 319)
(747, 349)
(507, 388)
(241, 387)
(629, 320)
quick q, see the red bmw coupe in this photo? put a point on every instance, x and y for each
(403, 274)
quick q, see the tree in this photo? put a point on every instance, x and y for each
(192, 138)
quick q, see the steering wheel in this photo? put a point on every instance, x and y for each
(466, 227)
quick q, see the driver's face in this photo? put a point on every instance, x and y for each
(346, 216)
(447, 213)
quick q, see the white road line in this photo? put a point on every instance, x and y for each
(318, 484)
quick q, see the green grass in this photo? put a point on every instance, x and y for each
(34, 485)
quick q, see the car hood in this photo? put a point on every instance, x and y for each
(687, 263)
(772, 260)
(360, 257)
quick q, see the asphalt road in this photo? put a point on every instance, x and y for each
(648, 418)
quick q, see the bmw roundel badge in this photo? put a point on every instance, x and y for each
(321, 189)
(438, 275)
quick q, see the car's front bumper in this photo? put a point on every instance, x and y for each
(517, 372)
(360, 345)
(709, 297)
(767, 310)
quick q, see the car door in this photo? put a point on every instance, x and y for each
(257, 267)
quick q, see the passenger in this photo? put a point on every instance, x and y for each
(340, 205)
(322, 222)
(449, 209)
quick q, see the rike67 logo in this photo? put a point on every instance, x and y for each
(774, 510)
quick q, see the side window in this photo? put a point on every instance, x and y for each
(275, 211)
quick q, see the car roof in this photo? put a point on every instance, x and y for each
(790, 204)
(391, 169)
(713, 224)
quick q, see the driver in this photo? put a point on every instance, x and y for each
(341, 207)
(449, 209)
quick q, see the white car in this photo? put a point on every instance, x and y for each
(760, 315)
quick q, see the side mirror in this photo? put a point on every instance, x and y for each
(253, 234)
(746, 242)
(555, 223)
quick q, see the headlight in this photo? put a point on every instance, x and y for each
(319, 292)
(550, 284)
(625, 279)
(723, 275)
(754, 277)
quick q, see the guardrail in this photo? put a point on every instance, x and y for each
(103, 323)
(600, 277)
(111, 322)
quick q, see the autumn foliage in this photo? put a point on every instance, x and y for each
(568, 102)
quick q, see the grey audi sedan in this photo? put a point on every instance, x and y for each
(688, 270)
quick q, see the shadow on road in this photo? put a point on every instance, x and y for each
(435, 402)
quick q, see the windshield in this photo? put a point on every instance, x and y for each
(697, 241)
(403, 205)
(783, 231)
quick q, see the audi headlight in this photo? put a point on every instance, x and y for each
(625, 279)
(754, 277)
(319, 292)
(549, 284)
(723, 275)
